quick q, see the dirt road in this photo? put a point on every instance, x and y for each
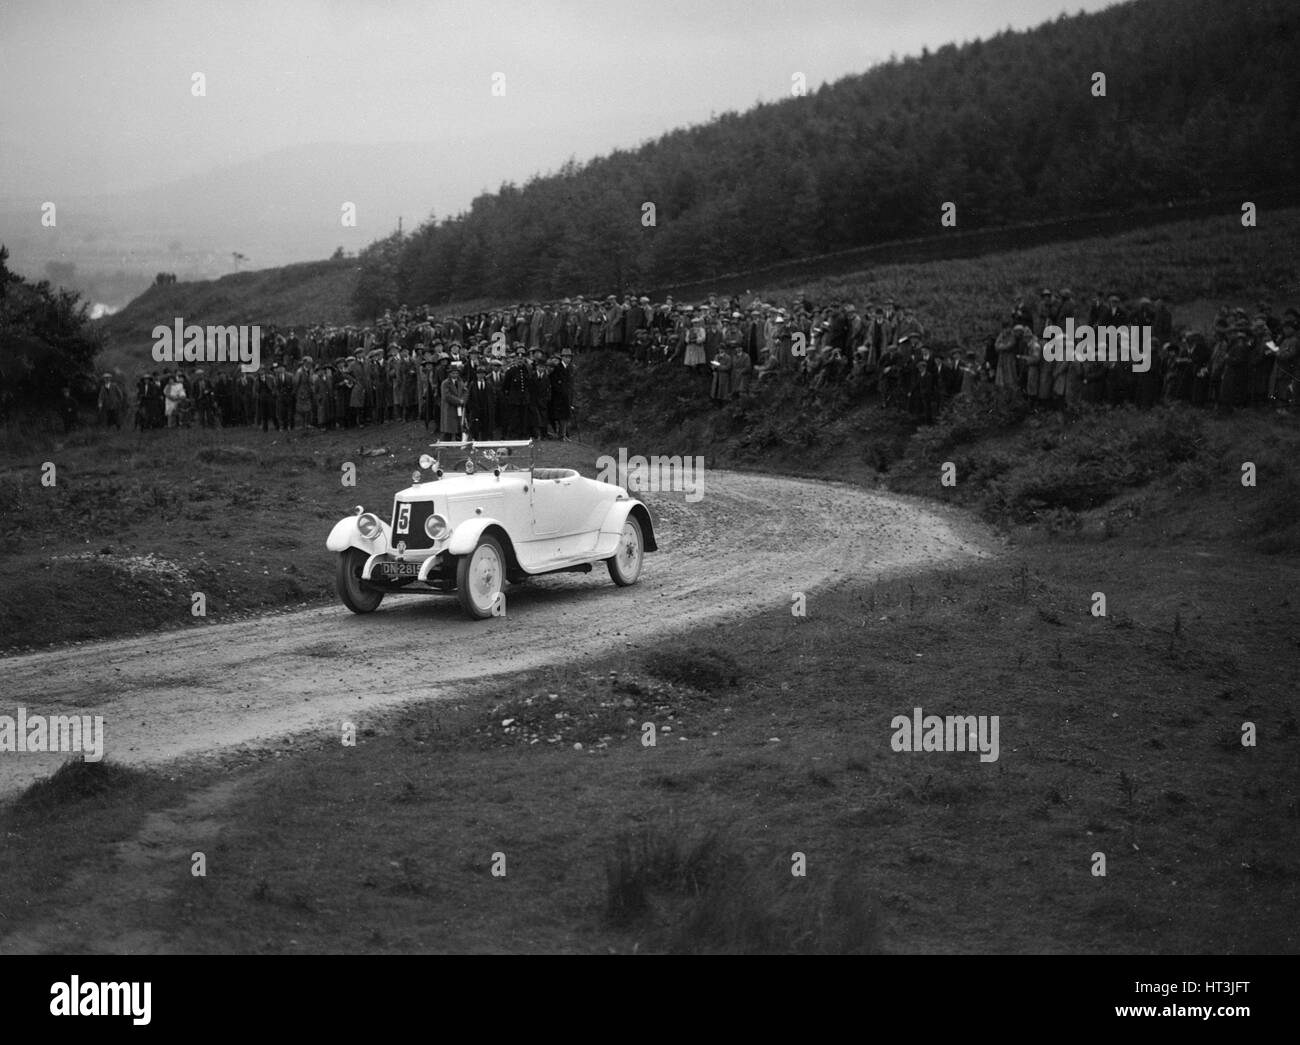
(750, 543)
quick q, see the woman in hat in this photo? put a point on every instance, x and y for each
(173, 394)
(695, 357)
(741, 368)
(322, 389)
(430, 394)
(722, 367)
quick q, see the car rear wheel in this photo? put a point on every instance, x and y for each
(480, 576)
(355, 593)
(625, 563)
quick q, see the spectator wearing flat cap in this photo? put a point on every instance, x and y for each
(539, 396)
(304, 402)
(111, 403)
(742, 369)
(481, 403)
(1282, 380)
(636, 318)
(515, 385)
(380, 395)
(454, 394)
(357, 393)
(536, 320)
(430, 394)
(285, 396)
(408, 374)
(613, 329)
(1007, 347)
(561, 398)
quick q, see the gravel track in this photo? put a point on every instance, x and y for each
(749, 544)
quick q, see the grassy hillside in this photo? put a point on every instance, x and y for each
(1120, 735)
(1195, 265)
(311, 292)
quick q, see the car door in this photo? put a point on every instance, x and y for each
(562, 513)
(550, 498)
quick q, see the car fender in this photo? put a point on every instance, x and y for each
(345, 535)
(612, 528)
(464, 538)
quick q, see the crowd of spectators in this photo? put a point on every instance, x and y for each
(507, 373)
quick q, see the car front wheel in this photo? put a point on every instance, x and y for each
(479, 578)
(355, 593)
(625, 563)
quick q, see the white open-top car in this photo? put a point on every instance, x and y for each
(485, 516)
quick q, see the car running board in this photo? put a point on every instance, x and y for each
(582, 567)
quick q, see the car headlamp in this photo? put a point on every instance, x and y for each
(368, 525)
(436, 527)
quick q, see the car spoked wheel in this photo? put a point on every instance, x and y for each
(357, 596)
(480, 577)
(625, 563)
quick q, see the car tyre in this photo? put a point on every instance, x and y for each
(625, 564)
(355, 593)
(480, 576)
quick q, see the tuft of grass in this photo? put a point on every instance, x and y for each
(701, 667)
(752, 911)
(667, 860)
(693, 892)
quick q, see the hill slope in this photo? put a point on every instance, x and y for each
(1009, 130)
(311, 292)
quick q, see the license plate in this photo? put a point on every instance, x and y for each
(399, 569)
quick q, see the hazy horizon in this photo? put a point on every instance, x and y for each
(98, 110)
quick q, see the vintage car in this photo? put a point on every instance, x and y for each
(484, 516)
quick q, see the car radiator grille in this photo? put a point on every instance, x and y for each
(408, 523)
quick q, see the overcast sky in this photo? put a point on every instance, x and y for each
(97, 96)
